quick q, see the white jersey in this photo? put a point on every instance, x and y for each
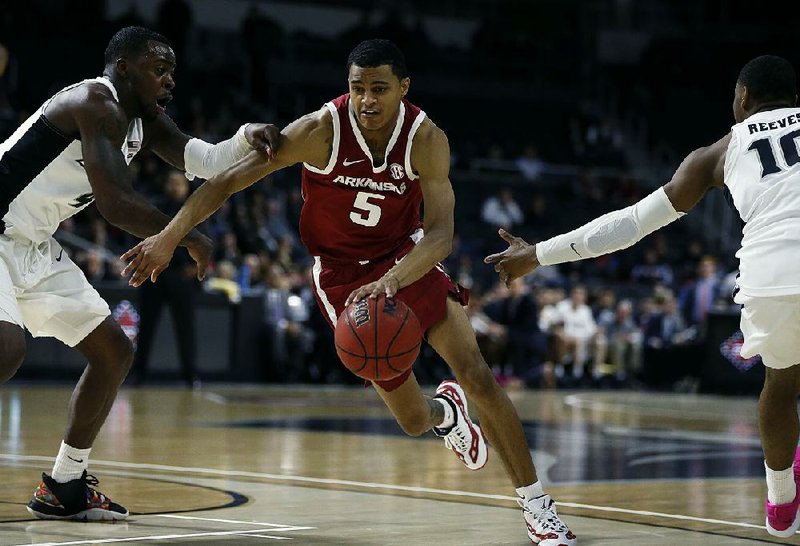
(42, 177)
(762, 172)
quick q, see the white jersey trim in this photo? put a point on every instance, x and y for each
(411, 132)
(401, 116)
(334, 146)
(323, 297)
(105, 81)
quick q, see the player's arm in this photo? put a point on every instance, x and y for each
(199, 158)
(103, 127)
(430, 157)
(702, 169)
(307, 139)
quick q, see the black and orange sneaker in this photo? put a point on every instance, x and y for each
(74, 500)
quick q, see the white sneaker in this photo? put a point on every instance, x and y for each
(545, 528)
(464, 438)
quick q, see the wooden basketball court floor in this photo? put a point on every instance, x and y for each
(312, 465)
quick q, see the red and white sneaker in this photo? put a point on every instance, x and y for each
(545, 528)
(464, 438)
(783, 520)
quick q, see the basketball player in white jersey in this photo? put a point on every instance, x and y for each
(759, 162)
(73, 150)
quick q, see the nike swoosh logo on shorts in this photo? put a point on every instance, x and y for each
(58, 258)
(347, 162)
(572, 246)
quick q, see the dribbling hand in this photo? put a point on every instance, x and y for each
(387, 285)
(516, 261)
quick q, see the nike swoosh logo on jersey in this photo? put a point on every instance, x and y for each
(398, 260)
(572, 246)
(347, 162)
(58, 259)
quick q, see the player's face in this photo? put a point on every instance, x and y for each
(375, 95)
(151, 76)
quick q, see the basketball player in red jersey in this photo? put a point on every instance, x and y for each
(370, 159)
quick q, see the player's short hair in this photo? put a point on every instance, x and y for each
(130, 42)
(377, 52)
(769, 77)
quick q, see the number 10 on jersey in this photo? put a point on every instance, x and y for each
(364, 212)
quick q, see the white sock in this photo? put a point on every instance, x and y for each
(530, 491)
(449, 415)
(70, 463)
(781, 488)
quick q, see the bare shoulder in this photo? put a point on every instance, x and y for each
(87, 109)
(709, 161)
(431, 147)
(429, 135)
(308, 139)
(314, 124)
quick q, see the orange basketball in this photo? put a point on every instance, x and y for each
(378, 339)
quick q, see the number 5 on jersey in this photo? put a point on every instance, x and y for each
(366, 213)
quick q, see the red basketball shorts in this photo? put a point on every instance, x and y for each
(427, 298)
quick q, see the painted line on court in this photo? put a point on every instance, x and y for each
(159, 537)
(371, 485)
(235, 521)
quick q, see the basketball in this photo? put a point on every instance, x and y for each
(378, 339)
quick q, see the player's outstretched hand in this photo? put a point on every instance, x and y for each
(263, 137)
(200, 251)
(516, 261)
(388, 285)
(147, 259)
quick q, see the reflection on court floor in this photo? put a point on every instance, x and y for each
(230, 465)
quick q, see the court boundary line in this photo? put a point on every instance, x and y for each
(148, 538)
(374, 485)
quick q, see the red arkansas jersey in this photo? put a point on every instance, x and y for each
(352, 210)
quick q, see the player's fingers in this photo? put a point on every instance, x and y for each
(506, 236)
(354, 296)
(492, 258)
(159, 270)
(376, 291)
(132, 265)
(140, 274)
(131, 253)
(127, 269)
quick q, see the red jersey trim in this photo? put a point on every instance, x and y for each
(334, 146)
(398, 126)
(411, 132)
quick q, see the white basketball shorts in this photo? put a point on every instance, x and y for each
(771, 328)
(42, 289)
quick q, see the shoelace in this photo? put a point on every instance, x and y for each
(546, 518)
(457, 439)
(92, 481)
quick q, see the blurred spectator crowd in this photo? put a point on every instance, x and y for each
(546, 142)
